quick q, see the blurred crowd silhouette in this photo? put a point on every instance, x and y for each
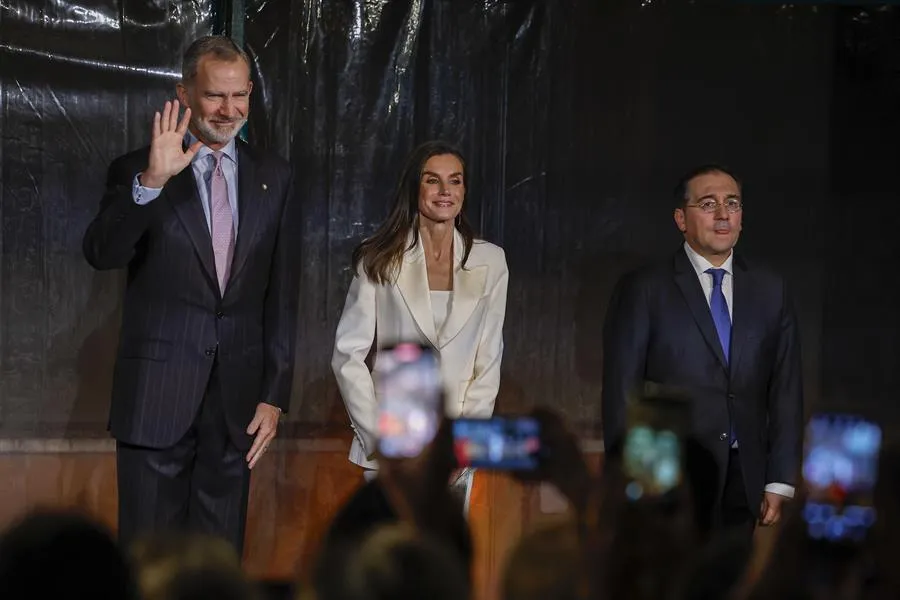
(404, 534)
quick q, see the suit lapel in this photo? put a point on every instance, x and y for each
(413, 285)
(250, 206)
(687, 281)
(468, 288)
(181, 192)
(742, 286)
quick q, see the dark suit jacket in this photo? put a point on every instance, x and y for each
(175, 322)
(659, 329)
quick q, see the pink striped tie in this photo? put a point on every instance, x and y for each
(221, 222)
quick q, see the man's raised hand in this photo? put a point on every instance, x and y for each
(167, 154)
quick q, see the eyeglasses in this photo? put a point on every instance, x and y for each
(732, 205)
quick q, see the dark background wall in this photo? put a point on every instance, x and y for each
(577, 117)
(78, 86)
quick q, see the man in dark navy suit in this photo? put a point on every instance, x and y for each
(722, 330)
(206, 226)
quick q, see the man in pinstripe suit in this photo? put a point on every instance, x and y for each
(203, 223)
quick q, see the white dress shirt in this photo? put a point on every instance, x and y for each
(202, 167)
(440, 306)
(700, 265)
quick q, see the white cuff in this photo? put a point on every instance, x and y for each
(143, 195)
(782, 489)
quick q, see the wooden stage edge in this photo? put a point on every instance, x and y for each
(294, 493)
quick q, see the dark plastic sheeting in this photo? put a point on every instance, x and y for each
(576, 117)
(348, 88)
(78, 86)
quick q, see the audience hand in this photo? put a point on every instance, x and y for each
(561, 461)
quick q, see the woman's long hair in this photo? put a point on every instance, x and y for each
(382, 253)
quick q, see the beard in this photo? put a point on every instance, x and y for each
(218, 134)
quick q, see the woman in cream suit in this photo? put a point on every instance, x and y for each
(423, 277)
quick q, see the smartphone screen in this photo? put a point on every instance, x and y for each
(498, 443)
(652, 456)
(840, 468)
(410, 393)
(652, 462)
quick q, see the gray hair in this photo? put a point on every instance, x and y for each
(219, 46)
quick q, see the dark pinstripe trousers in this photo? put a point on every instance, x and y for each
(200, 484)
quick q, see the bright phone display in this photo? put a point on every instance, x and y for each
(840, 468)
(652, 456)
(497, 443)
(652, 462)
(410, 393)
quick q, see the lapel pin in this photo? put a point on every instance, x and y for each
(265, 187)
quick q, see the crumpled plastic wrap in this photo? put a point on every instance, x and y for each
(575, 116)
(78, 86)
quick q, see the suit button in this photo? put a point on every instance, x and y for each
(210, 351)
(723, 436)
(220, 315)
(731, 396)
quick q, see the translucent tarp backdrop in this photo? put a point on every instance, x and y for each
(576, 117)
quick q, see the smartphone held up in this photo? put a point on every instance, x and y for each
(410, 391)
(498, 443)
(653, 453)
(840, 469)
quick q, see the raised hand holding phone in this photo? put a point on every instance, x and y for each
(410, 393)
(840, 469)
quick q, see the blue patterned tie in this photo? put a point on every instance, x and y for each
(719, 309)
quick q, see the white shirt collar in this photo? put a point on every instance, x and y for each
(700, 264)
(228, 150)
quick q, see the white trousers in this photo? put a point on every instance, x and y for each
(461, 487)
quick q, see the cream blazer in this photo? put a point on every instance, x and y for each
(470, 343)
